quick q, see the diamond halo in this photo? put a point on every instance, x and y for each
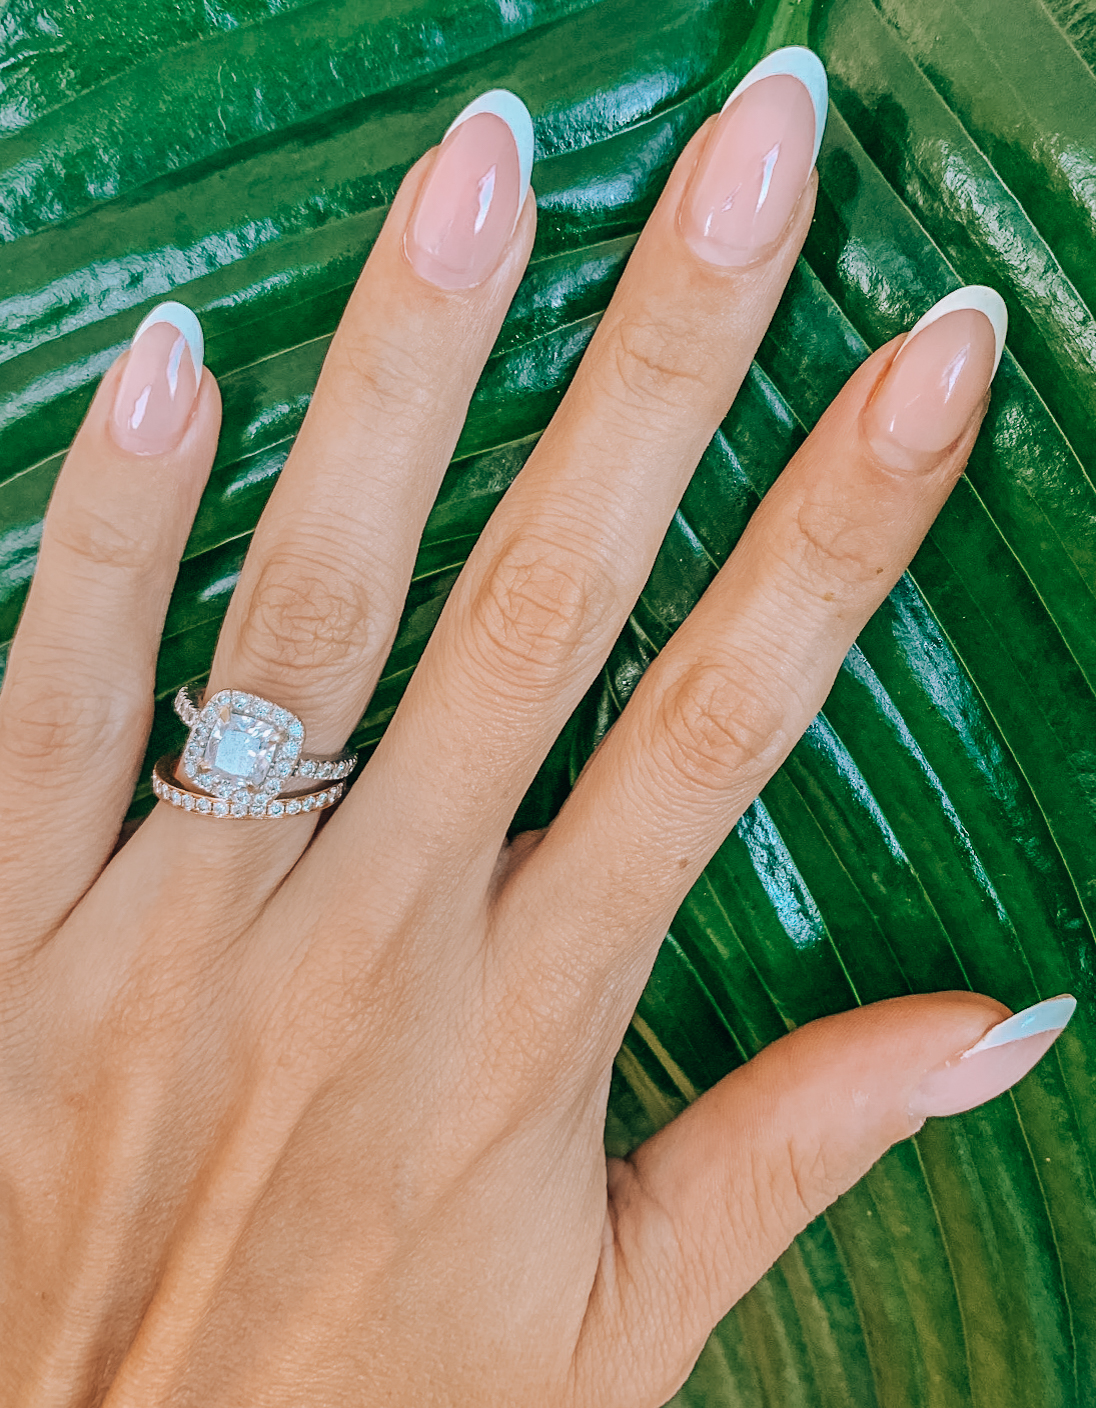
(242, 747)
(241, 751)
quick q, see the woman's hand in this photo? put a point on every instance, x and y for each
(305, 1111)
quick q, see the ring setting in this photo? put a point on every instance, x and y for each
(241, 752)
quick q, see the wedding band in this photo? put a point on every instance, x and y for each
(165, 786)
(241, 752)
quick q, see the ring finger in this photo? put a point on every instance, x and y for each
(319, 598)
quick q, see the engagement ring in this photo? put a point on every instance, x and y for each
(241, 752)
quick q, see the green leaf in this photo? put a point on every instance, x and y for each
(935, 826)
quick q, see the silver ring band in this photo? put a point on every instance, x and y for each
(168, 789)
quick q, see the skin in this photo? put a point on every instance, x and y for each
(312, 1111)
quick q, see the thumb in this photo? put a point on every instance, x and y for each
(701, 1210)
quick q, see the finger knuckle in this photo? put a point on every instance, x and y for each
(716, 725)
(538, 609)
(791, 1183)
(381, 382)
(46, 723)
(655, 365)
(305, 614)
(92, 539)
(831, 552)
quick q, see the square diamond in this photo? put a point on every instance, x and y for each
(241, 747)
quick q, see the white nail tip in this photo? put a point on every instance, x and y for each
(799, 63)
(515, 114)
(1048, 1016)
(179, 316)
(983, 300)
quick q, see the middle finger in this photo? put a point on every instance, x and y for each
(553, 577)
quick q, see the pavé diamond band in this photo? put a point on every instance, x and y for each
(166, 787)
(241, 752)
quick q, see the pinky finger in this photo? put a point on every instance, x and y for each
(76, 706)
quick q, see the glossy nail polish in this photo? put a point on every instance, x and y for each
(474, 193)
(756, 161)
(160, 381)
(1006, 1052)
(938, 380)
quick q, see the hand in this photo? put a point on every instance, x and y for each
(310, 1110)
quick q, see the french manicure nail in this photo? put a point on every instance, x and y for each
(938, 379)
(160, 382)
(1006, 1052)
(474, 193)
(756, 162)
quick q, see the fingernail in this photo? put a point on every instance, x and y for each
(939, 378)
(473, 196)
(757, 160)
(160, 381)
(1006, 1052)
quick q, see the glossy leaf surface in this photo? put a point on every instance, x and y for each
(935, 826)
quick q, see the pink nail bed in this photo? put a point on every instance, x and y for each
(1005, 1054)
(470, 203)
(160, 381)
(755, 165)
(938, 379)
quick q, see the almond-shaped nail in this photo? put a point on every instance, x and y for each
(756, 161)
(469, 206)
(160, 382)
(989, 1067)
(938, 379)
